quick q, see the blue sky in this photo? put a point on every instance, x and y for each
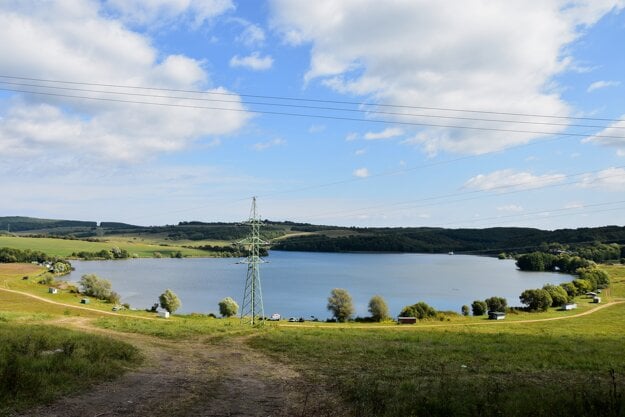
(536, 88)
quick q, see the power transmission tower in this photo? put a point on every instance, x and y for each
(253, 309)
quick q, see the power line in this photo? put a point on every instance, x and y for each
(314, 116)
(308, 107)
(299, 99)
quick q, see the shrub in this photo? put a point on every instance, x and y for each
(496, 304)
(597, 277)
(558, 295)
(479, 308)
(419, 310)
(169, 301)
(228, 307)
(378, 308)
(340, 304)
(465, 310)
(94, 286)
(536, 300)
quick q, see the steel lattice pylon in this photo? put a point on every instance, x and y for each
(252, 309)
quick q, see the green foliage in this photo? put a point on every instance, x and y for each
(340, 304)
(465, 310)
(228, 307)
(41, 363)
(94, 286)
(169, 301)
(558, 295)
(536, 300)
(46, 279)
(496, 304)
(378, 308)
(571, 290)
(10, 255)
(582, 286)
(419, 310)
(597, 277)
(479, 308)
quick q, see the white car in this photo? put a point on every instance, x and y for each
(275, 317)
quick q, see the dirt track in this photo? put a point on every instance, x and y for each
(194, 378)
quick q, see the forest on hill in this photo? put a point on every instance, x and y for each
(292, 236)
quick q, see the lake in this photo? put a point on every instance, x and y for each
(299, 283)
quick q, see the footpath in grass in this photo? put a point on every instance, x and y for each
(39, 363)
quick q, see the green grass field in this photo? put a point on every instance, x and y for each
(141, 247)
(40, 363)
(465, 366)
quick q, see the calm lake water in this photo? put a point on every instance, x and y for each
(298, 283)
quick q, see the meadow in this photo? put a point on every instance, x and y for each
(528, 364)
(141, 247)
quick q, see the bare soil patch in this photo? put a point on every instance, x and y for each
(201, 377)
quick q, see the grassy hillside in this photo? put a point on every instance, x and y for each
(64, 248)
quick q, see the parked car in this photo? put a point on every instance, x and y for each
(292, 319)
(275, 317)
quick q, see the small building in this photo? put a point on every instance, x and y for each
(496, 315)
(406, 320)
(596, 300)
(569, 306)
(53, 290)
(84, 301)
(163, 314)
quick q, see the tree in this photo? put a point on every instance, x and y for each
(169, 301)
(419, 310)
(536, 300)
(582, 286)
(558, 295)
(479, 307)
(228, 307)
(94, 286)
(571, 290)
(340, 304)
(378, 308)
(465, 310)
(496, 304)
(598, 278)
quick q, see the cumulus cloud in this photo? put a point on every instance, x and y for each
(253, 61)
(74, 42)
(261, 146)
(387, 133)
(611, 179)
(602, 84)
(507, 179)
(252, 34)
(486, 58)
(361, 173)
(161, 12)
(612, 136)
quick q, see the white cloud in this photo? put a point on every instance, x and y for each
(387, 133)
(486, 58)
(612, 136)
(573, 205)
(254, 62)
(74, 42)
(361, 172)
(612, 179)
(360, 152)
(316, 128)
(252, 35)
(602, 84)
(512, 208)
(261, 146)
(351, 136)
(162, 12)
(509, 179)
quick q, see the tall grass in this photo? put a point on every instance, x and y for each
(569, 368)
(40, 363)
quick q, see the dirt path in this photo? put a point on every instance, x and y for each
(46, 300)
(201, 377)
